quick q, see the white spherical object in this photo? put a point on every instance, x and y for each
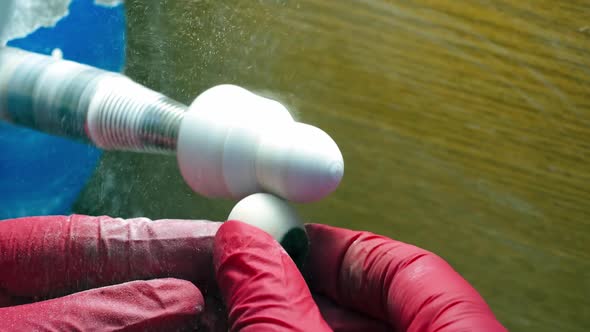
(276, 217)
(57, 54)
(267, 212)
(233, 143)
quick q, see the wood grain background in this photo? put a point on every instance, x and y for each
(465, 127)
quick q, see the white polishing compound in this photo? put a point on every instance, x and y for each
(6, 9)
(276, 217)
(233, 143)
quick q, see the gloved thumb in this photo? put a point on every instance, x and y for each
(260, 284)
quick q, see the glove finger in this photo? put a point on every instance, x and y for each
(54, 256)
(345, 320)
(408, 287)
(155, 305)
(260, 284)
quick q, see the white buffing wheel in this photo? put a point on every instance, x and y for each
(219, 137)
(276, 217)
(233, 143)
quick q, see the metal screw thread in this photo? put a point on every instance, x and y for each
(131, 117)
(84, 103)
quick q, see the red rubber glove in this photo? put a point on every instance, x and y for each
(53, 256)
(49, 257)
(363, 282)
(400, 285)
(261, 285)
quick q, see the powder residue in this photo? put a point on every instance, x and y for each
(30, 15)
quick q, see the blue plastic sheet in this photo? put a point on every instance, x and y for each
(42, 174)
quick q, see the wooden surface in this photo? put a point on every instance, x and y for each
(465, 128)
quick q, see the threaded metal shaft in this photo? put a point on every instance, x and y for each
(84, 103)
(136, 119)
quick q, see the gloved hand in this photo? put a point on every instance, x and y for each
(105, 274)
(362, 282)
